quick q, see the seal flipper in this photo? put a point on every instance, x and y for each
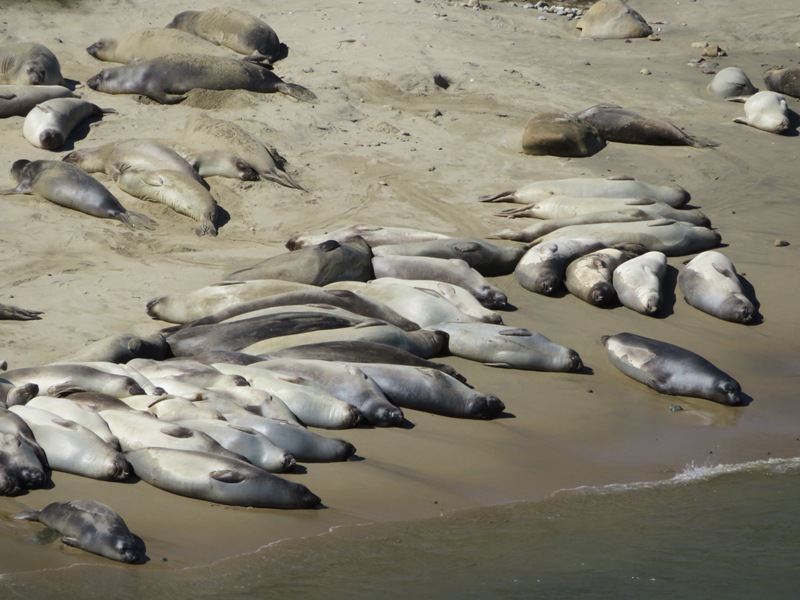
(30, 514)
(296, 91)
(135, 220)
(283, 179)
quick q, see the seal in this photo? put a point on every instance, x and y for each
(670, 369)
(178, 191)
(637, 282)
(13, 424)
(49, 124)
(208, 162)
(709, 282)
(215, 478)
(238, 30)
(560, 134)
(510, 347)
(91, 526)
(20, 459)
(18, 100)
(612, 19)
(70, 187)
(784, 80)
(70, 411)
(14, 313)
(590, 277)
(613, 187)
(543, 267)
(767, 111)
(617, 124)
(51, 379)
(207, 132)
(730, 83)
(29, 63)
(166, 79)
(121, 348)
(374, 235)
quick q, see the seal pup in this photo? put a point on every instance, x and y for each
(560, 134)
(14, 313)
(731, 83)
(612, 19)
(207, 132)
(784, 80)
(71, 187)
(91, 526)
(670, 369)
(709, 282)
(238, 30)
(542, 268)
(208, 162)
(637, 282)
(18, 100)
(174, 189)
(612, 187)
(617, 124)
(29, 63)
(167, 79)
(374, 235)
(49, 124)
(590, 277)
(767, 111)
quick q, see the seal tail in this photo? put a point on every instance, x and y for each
(283, 179)
(297, 91)
(29, 514)
(136, 220)
(507, 196)
(701, 142)
(206, 227)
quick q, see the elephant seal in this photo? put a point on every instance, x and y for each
(238, 30)
(91, 526)
(49, 124)
(590, 277)
(14, 313)
(613, 187)
(208, 162)
(166, 79)
(215, 478)
(612, 19)
(542, 268)
(20, 459)
(731, 82)
(637, 282)
(373, 235)
(18, 100)
(617, 124)
(511, 347)
(560, 134)
(709, 282)
(181, 193)
(670, 369)
(70, 187)
(71, 411)
(54, 378)
(784, 80)
(13, 424)
(317, 265)
(122, 348)
(767, 111)
(207, 132)
(486, 258)
(27, 63)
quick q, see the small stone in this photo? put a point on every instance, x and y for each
(700, 45)
(645, 71)
(436, 113)
(781, 243)
(709, 68)
(675, 408)
(383, 183)
(542, 18)
(653, 38)
(441, 81)
(587, 63)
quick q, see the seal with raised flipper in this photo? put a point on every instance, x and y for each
(29, 63)
(670, 369)
(709, 282)
(71, 187)
(48, 124)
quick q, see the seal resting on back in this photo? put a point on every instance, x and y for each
(613, 19)
(27, 63)
(166, 79)
(767, 111)
(49, 124)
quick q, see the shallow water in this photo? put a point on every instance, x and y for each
(728, 531)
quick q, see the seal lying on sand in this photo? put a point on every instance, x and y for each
(27, 63)
(49, 124)
(784, 80)
(166, 79)
(90, 526)
(18, 100)
(670, 369)
(69, 186)
(613, 19)
(13, 313)
(560, 134)
(767, 111)
(373, 235)
(731, 82)
(590, 277)
(543, 267)
(637, 282)
(709, 282)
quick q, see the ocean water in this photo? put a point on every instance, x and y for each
(729, 531)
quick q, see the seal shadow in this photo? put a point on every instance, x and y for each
(584, 370)
(141, 551)
(794, 124)
(503, 415)
(222, 218)
(750, 292)
(79, 132)
(668, 295)
(72, 84)
(298, 469)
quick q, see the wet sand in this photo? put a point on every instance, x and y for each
(387, 146)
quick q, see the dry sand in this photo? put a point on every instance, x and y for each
(386, 145)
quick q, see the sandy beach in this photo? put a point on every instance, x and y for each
(387, 145)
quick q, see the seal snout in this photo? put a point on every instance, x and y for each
(51, 139)
(576, 364)
(94, 81)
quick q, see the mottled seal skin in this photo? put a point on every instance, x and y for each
(709, 282)
(617, 124)
(613, 19)
(374, 235)
(91, 526)
(18, 100)
(152, 43)
(560, 134)
(637, 282)
(731, 82)
(238, 30)
(670, 369)
(590, 277)
(49, 124)
(166, 79)
(26, 63)
(71, 187)
(784, 80)
(767, 111)
(543, 267)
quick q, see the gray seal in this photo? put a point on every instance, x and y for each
(560, 134)
(49, 124)
(784, 80)
(613, 19)
(70, 187)
(167, 79)
(731, 82)
(18, 100)
(91, 526)
(27, 63)
(543, 267)
(709, 282)
(670, 369)
(638, 281)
